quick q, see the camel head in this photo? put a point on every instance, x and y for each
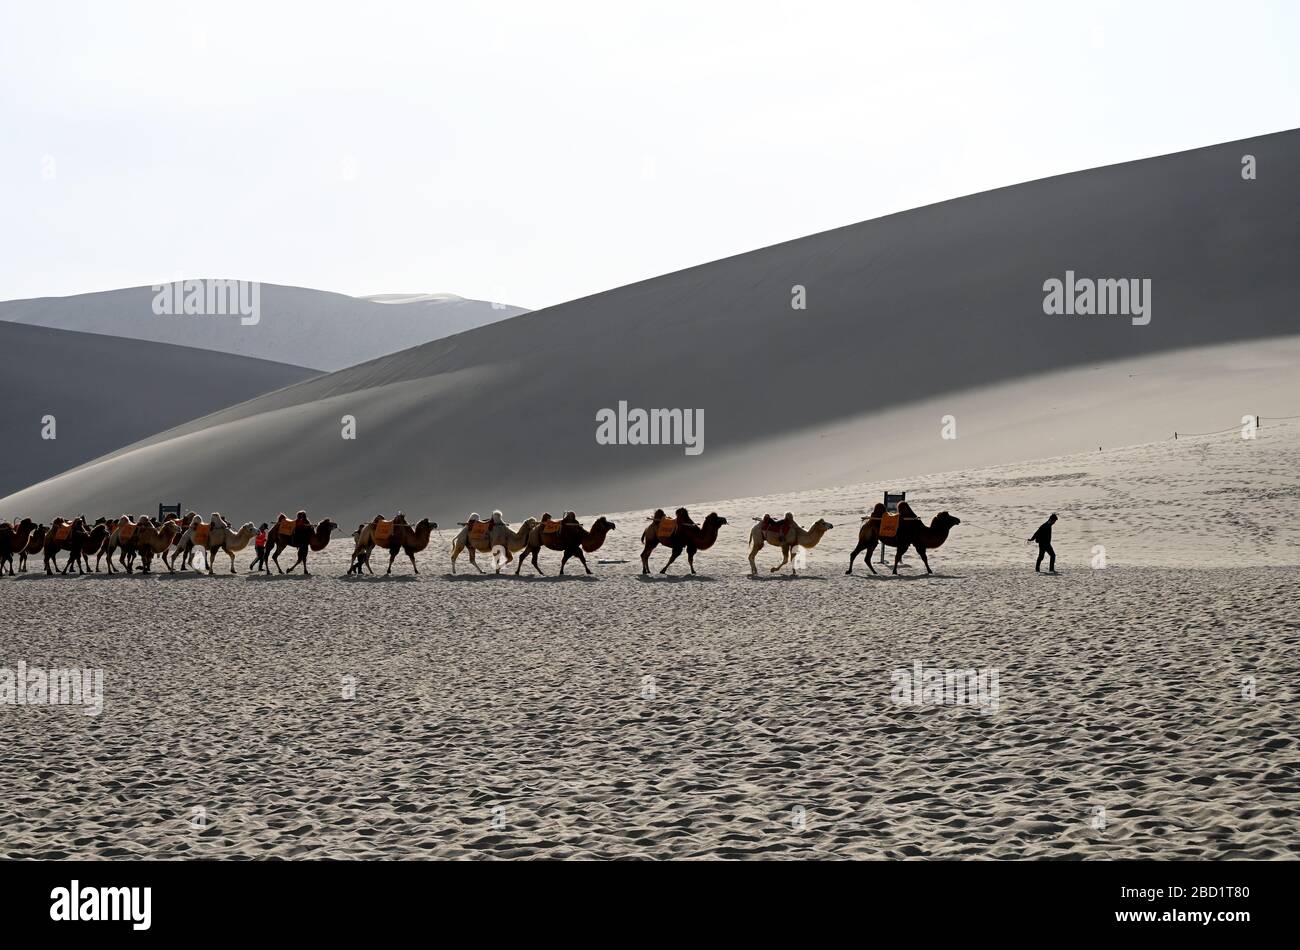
(943, 521)
(714, 520)
(602, 524)
(822, 525)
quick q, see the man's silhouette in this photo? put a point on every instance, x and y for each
(1043, 536)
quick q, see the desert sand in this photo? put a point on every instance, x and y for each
(106, 392)
(714, 716)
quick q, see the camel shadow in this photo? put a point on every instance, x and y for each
(936, 576)
(788, 578)
(377, 578)
(675, 578)
(556, 578)
(281, 577)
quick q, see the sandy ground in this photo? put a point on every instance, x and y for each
(714, 716)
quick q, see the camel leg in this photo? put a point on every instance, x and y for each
(673, 557)
(52, 556)
(785, 558)
(645, 556)
(536, 567)
(411, 555)
(474, 560)
(753, 552)
(232, 561)
(921, 553)
(690, 557)
(392, 555)
(583, 558)
(565, 560)
(898, 556)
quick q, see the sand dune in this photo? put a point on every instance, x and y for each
(909, 317)
(105, 392)
(710, 717)
(296, 325)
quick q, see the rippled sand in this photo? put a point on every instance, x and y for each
(697, 717)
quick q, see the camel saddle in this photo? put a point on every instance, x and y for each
(666, 529)
(63, 532)
(201, 531)
(552, 528)
(479, 530)
(288, 526)
(381, 532)
(889, 525)
(777, 526)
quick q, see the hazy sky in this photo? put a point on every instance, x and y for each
(536, 152)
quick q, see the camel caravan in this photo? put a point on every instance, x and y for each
(135, 543)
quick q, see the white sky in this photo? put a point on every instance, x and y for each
(536, 152)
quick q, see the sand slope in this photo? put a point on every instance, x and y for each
(934, 311)
(106, 392)
(711, 717)
(297, 325)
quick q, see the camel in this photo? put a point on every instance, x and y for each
(35, 545)
(13, 540)
(785, 534)
(377, 533)
(483, 537)
(151, 540)
(301, 534)
(122, 539)
(64, 535)
(911, 532)
(182, 546)
(224, 537)
(94, 544)
(410, 540)
(679, 533)
(567, 535)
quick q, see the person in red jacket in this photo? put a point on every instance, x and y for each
(259, 544)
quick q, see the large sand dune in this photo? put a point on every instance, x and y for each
(105, 392)
(712, 716)
(932, 312)
(296, 325)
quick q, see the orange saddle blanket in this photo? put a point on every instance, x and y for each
(479, 530)
(286, 527)
(381, 532)
(889, 526)
(63, 531)
(667, 527)
(552, 527)
(201, 531)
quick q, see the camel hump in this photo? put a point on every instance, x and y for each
(667, 528)
(201, 531)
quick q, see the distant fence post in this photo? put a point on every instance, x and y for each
(165, 510)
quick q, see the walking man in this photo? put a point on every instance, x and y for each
(1044, 538)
